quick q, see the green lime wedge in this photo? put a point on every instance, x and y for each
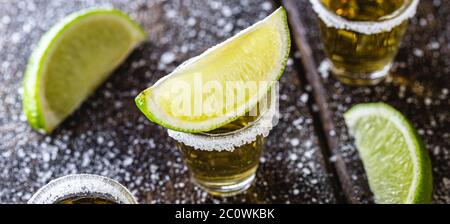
(394, 158)
(72, 59)
(185, 101)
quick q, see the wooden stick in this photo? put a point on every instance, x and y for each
(320, 96)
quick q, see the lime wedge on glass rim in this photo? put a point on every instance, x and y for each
(72, 59)
(397, 164)
(258, 53)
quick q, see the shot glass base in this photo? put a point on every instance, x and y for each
(225, 189)
(361, 79)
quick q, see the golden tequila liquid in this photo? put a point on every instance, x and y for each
(225, 173)
(363, 58)
(86, 199)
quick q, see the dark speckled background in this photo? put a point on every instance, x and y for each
(418, 87)
(107, 135)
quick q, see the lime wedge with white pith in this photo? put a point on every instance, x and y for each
(72, 59)
(197, 96)
(396, 163)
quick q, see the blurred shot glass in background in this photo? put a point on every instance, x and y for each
(362, 37)
(83, 189)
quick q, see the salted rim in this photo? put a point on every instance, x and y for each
(365, 27)
(75, 184)
(229, 141)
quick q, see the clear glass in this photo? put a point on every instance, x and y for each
(224, 173)
(83, 189)
(224, 161)
(362, 37)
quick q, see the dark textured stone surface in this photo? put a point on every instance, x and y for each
(419, 88)
(109, 136)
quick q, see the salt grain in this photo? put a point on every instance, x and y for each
(6, 20)
(266, 6)
(100, 140)
(434, 45)
(127, 161)
(167, 57)
(418, 52)
(306, 171)
(226, 11)
(428, 101)
(228, 27)
(295, 142)
(304, 98)
(191, 21)
(293, 157)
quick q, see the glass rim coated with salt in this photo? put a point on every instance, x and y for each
(361, 37)
(83, 189)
